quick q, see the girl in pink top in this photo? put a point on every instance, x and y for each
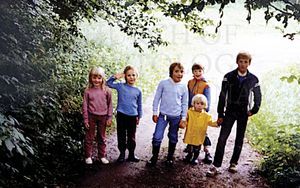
(97, 113)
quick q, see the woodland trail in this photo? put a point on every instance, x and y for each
(131, 174)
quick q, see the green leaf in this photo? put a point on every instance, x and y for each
(30, 149)
(283, 78)
(19, 150)
(18, 134)
(9, 145)
(291, 78)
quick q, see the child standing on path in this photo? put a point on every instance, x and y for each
(129, 111)
(198, 85)
(197, 121)
(238, 89)
(97, 113)
(172, 95)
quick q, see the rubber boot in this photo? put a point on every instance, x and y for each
(196, 155)
(152, 162)
(171, 150)
(189, 156)
(121, 157)
(132, 157)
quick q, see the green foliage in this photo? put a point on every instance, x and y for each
(275, 130)
(138, 18)
(15, 150)
(291, 78)
(41, 94)
(45, 60)
(282, 11)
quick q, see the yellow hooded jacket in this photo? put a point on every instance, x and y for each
(197, 123)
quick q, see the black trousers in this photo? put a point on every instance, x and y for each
(229, 119)
(207, 141)
(126, 129)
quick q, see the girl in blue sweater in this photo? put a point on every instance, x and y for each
(129, 111)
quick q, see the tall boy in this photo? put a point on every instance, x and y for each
(198, 85)
(172, 98)
(238, 89)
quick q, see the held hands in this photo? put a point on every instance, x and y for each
(119, 76)
(182, 124)
(220, 121)
(155, 118)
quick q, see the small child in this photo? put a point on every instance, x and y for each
(197, 121)
(97, 113)
(129, 111)
(199, 85)
(172, 95)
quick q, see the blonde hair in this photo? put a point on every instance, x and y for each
(243, 55)
(129, 67)
(199, 98)
(98, 71)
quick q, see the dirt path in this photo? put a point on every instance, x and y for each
(138, 175)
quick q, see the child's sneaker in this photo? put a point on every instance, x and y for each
(213, 171)
(194, 162)
(207, 159)
(232, 168)
(104, 160)
(88, 160)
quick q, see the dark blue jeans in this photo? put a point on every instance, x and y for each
(160, 127)
(229, 119)
(126, 129)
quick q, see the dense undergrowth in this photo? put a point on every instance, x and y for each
(43, 74)
(275, 130)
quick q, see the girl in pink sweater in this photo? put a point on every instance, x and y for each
(97, 113)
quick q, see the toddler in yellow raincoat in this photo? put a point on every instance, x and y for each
(197, 122)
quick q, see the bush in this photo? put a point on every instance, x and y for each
(275, 130)
(41, 123)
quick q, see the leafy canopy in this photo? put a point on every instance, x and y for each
(139, 18)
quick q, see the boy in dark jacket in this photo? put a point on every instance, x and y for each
(240, 89)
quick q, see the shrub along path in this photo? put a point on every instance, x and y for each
(131, 174)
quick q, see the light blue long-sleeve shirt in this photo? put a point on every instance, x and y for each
(129, 98)
(172, 97)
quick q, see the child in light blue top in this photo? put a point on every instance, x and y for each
(172, 98)
(129, 111)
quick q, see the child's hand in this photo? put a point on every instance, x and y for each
(155, 118)
(137, 120)
(119, 75)
(220, 121)
(182, 124)
(87, 126)
(108, 122)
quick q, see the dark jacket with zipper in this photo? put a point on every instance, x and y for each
(239, 96)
